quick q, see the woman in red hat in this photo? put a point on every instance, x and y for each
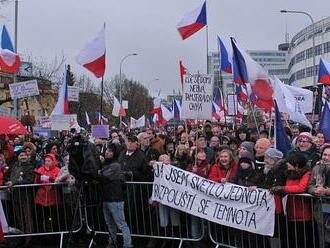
(48, 198)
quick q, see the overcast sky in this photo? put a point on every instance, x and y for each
(148, 27)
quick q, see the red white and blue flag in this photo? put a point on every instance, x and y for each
(9, 60)
(62, 105)
(92, 56)
(249, 73)
(242, 94)
(118, 109)
(177, 110)
(219, 110)
(225, 64)
(192, 21)
(324, 72)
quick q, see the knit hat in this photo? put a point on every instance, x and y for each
(305, 136)
(274, 154)
(248, 145)
(248, 155)
(246, 160)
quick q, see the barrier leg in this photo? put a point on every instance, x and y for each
(61, 240)
(180, 244)
(91, 243)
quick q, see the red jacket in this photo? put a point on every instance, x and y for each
(202, 169)
(218, 172)
(47, 195)
(298, 207)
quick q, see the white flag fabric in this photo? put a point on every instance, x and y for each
(87, 119)
(287, 102)
(166, 113)
(117, 110)
(141, 122)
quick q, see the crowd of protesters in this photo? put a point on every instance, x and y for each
(217, 152)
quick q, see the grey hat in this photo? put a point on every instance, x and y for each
(248, 146)
(274, 154)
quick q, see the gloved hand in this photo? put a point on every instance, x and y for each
(276, 189)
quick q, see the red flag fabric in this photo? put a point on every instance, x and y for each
(183, 71)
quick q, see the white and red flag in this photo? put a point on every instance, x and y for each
(92, 56)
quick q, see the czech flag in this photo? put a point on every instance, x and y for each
(92, 56)
(62, 105)
(324, 72)
(249, 73)
(118, 109)
(282, 142)
(192, 21)
(225, 64)
(241, 93)
(9, 60)
(177, 110)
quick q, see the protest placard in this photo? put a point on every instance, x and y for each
(24, 89)
(197, 97)
(43, 121)
(46, 132)
(223, 203)
(100, 131)
(232, 104)
(73, 93)
(63, 122)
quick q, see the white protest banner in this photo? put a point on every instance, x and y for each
(5, 111)
(24, 89)
(73, 93)
(197, 97)
(223, 203)
(43, 121)
(63, 122)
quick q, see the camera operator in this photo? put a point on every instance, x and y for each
(112, 180)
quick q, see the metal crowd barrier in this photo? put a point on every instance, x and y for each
(292, 230)
(151, 220)
(26, 218)
(145, 219)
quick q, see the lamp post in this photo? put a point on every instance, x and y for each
(120, 93)
(151, 81)
(313, 50)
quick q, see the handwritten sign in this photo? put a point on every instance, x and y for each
(223, 203)
(24, 89)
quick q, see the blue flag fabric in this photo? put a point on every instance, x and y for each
(282, 142)
(325, 122)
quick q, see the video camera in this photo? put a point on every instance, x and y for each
(84, 161)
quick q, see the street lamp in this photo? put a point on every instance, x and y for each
(314, 53)
(120, 93)
(151, 81)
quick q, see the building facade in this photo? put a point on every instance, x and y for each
(300, 67)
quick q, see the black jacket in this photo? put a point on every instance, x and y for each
(21, 173)
(112, 180)
(135, 166)
(275, 177)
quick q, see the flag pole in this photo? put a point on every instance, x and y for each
(101, 107)
(254, 118)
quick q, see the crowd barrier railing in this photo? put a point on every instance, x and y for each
(40, 209)
(301, 225)
(144, 218)
(305, 224)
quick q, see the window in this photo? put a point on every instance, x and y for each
(300, 74)
(300, 56)
(326, 47)
(309, 53)
(318, 50)
(309, 71)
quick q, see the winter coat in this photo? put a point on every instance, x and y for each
(218, 172)
(21, 173)
(246, 177)
(202, 169)
(136, 163)
(298, 207)
(321, 176)
(311, 155)
(47, 195)
(181, 161)
(112, 180)
(276, 176)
